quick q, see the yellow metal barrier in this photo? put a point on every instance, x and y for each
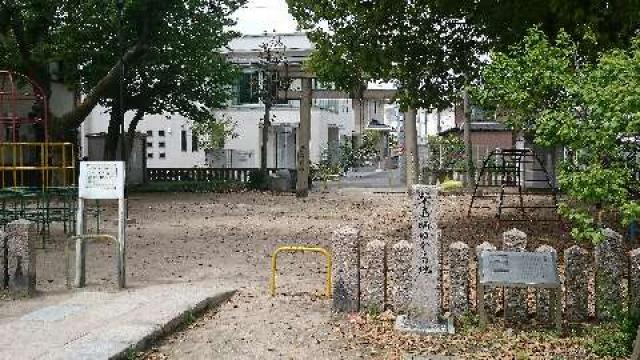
(53, 163)
(300, 248)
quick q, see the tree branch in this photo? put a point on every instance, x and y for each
(75, 117)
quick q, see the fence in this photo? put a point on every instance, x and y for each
(612, 273)
(202, 174)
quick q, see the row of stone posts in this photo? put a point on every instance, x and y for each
(18, 258)
(609, 271)
(387, 277)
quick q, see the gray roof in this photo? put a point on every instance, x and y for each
(480, 126)
(244, 50)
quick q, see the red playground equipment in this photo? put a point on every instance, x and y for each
(23, 104)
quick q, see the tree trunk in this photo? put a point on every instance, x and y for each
(131, 132)
(468, 150)
(113, 136)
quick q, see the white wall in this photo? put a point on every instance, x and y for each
(248, 117)
(172, 125)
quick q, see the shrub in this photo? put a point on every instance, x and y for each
(616, 339)
(258, 180)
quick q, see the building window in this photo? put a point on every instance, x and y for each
(163, 156)
(162, 144)
(245, 89)
(149, 155)
(160, 132)
(183, 140)
(149, 132)
(149, 144)
(194, 142)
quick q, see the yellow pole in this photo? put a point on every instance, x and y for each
(15, 174)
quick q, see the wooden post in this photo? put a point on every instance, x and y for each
(411, 148)
(470, 181)
(304, 136)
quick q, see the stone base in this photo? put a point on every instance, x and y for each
(420, 327)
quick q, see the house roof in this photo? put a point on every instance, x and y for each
(244, 50)
(484, 126)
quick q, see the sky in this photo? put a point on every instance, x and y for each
(259, 16)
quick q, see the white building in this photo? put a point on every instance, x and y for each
(171, 143)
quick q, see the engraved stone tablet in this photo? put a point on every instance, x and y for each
(518, 269)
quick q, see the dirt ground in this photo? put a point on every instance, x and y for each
(229, 237)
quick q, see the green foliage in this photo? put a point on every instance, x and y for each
(609, 23)
(547, 90)
(451, 185)
(259, 180)
(446, 152)
(213, 134)
(467, 322)
(616, 339)
(426, 53)
(171, 60)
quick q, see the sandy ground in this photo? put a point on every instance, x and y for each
(229, 237)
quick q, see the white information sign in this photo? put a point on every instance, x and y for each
(101, 180)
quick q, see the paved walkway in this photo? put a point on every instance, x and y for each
(103, 325)
(370, 180)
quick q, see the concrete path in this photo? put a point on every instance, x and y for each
(104, 325)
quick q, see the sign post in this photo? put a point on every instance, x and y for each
(101, 180)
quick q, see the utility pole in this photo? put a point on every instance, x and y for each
(467, 140)
(304, 136)
(412, 161)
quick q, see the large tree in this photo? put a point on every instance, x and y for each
(170, 54)
(547, 90)
(504, 23)
(428, 54)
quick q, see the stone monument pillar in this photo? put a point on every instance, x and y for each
(426, 294)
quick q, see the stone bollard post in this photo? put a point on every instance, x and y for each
(515, 300)
(459, 278)
(400, 276)
(634, 279)
(576, 278)
(346, 270)
(543, 296)
(490, 296)
(373, 282)
(608, 255)
(21, 246)
(4, 251)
